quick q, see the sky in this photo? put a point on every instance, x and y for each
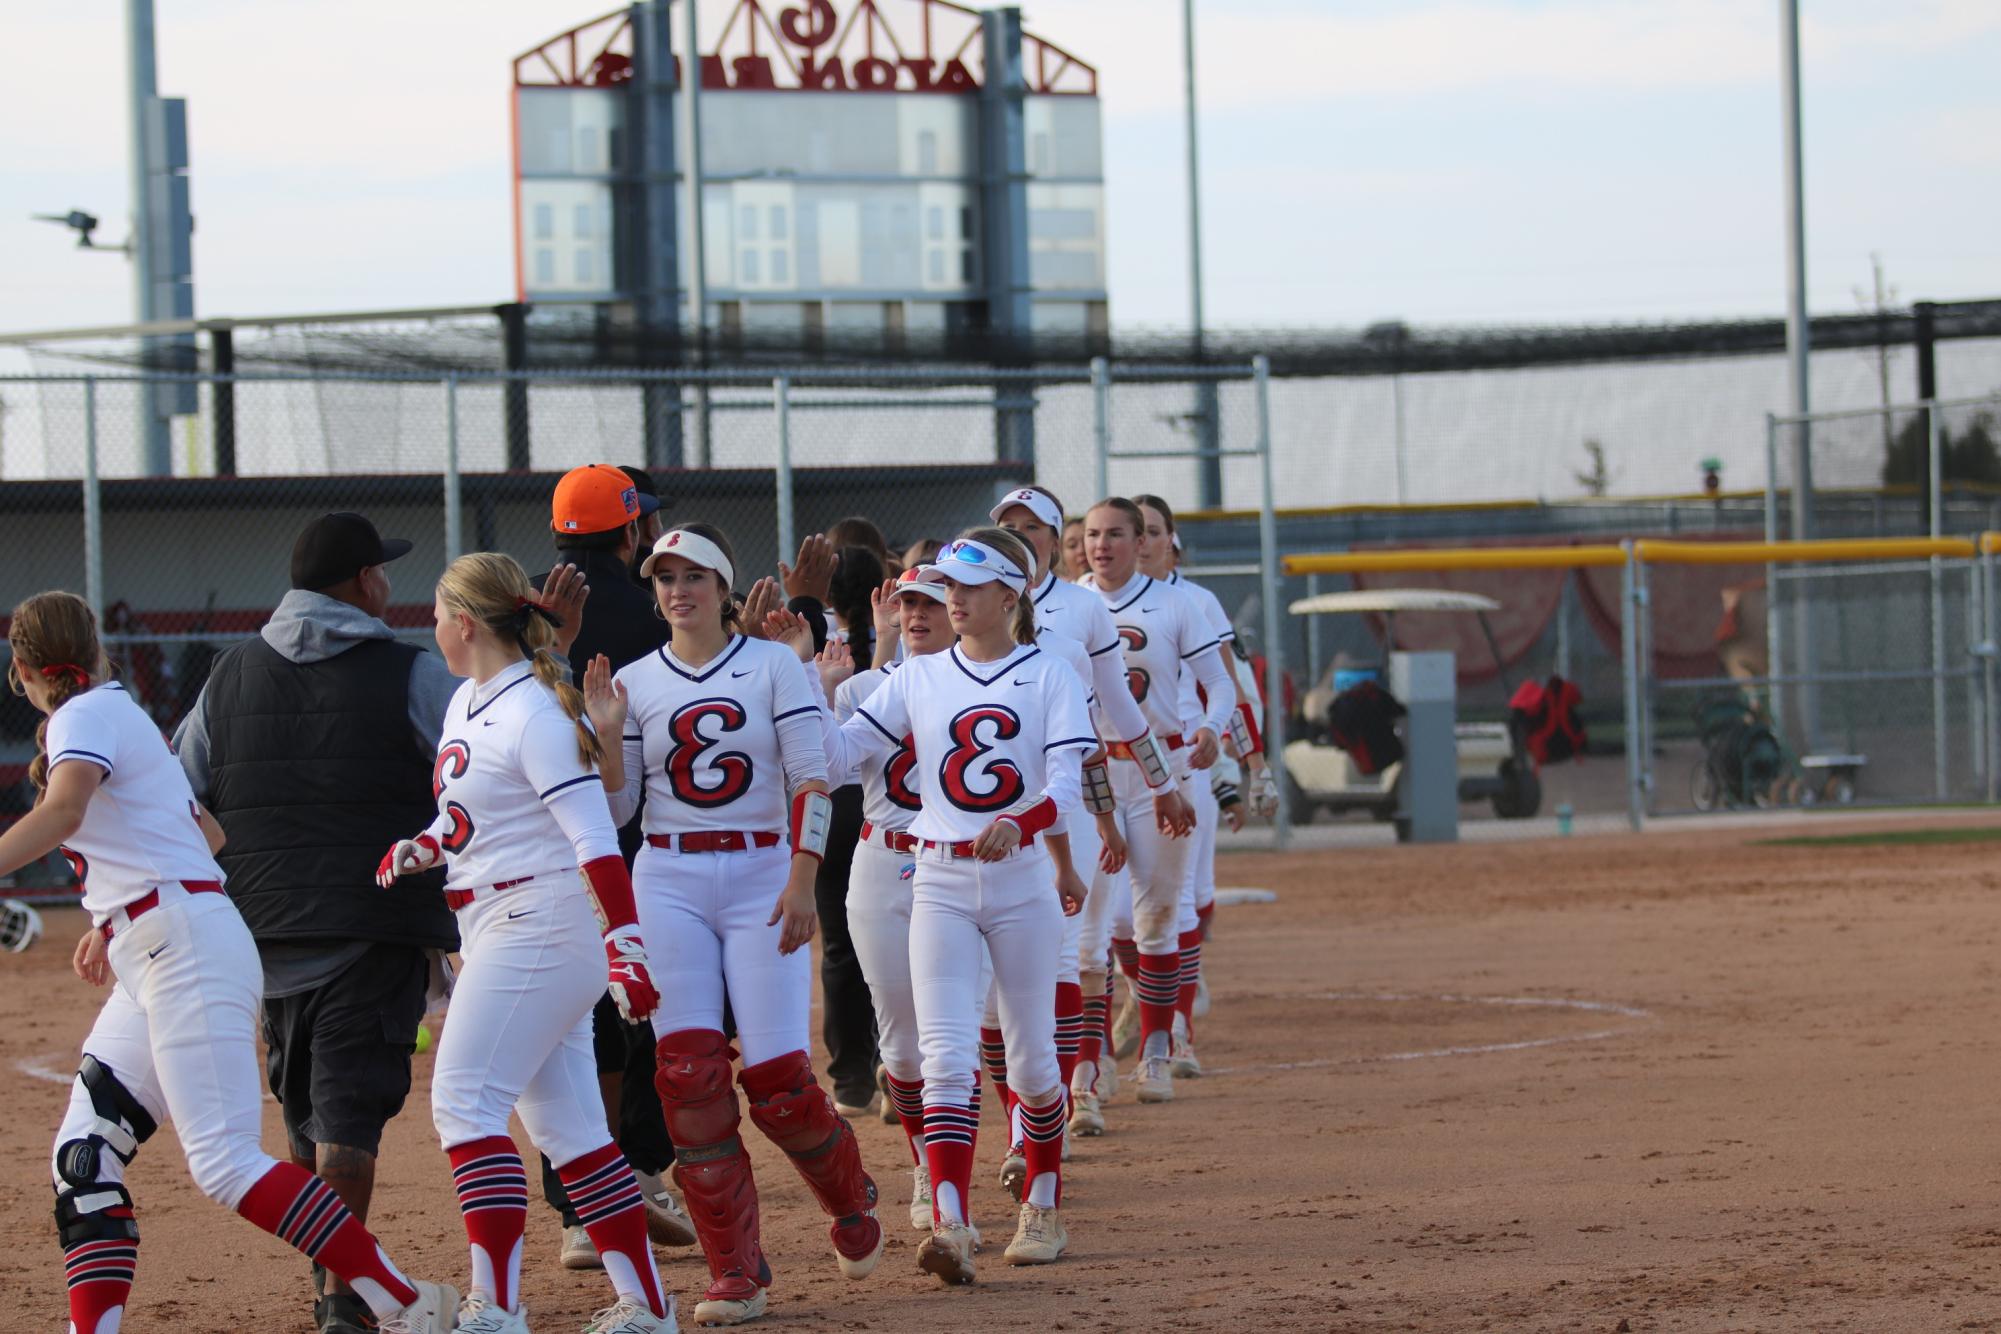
(1438, 161)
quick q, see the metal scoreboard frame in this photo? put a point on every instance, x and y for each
(906, 166)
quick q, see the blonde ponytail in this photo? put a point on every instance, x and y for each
(54, 637)
(493, 589)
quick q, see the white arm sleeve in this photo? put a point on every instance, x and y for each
(875, 729)
(796, 711)
(570, 791)
(581, 813)
(1123, 719)
(1068, 739)
(625, 801)
(1219, 687)
(830, 750)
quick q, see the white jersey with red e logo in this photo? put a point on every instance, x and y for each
(889, 782)
(721, 746)
(988, 735)
(1163, 630)
(506, 753)
(140, 829)
(1218, 621)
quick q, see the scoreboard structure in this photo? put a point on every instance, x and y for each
(872, 168)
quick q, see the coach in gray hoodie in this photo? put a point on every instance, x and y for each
(313, 744)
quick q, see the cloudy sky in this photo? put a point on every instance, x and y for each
(1435, 160)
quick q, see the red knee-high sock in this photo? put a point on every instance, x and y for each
(949, 1133)
(908, 1100)
(1105, 1029)
(610, 1207)
(301, 1210)
(993, 1052)
(1091, 1041)
(1042, 1145)
(1158, 988)
(1069, 1028)
(493, 1198)
(1191, 972)
(1127, 952)
(1205, 916)
(100, 1274)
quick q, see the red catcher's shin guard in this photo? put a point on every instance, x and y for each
(1191, 975)
(795, 1113)
(710, 1165)
(301, 1210)
(908, 1100)
(1069, 1028)
(608, 1203)
(493, 1196)
(1158, 989)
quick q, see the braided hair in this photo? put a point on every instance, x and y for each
(494, 590)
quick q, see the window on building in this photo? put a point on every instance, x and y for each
(927, 152)
(545, 267)
(778, 222)
(935, 266)
(966, 274)
(587, 149)
(749, 268)
(748, 223)
(586, 266)
(781, 267)
(934, 223)
(581, 227)
(545, 222)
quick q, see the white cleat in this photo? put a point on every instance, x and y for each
(434, 1311)
(1125, 1029)
(1085, 1116)
(730, 1310)
(478, 1315)
(1155, 1080)
(1108, 1080)
(631, 1317)
(1181, 1062)
(1039, 1237)
(667, 1224)
(579, 1251)
(922, 1216)
(948, 1253)
(1014, 1172)
(1201, 996)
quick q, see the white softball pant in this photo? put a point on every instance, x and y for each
(1156, 864)
(880, 892)
(1200, 891)
(1085, 845)
(1011, 908)
(518, 1035)
(179, 1030)
(706, 919)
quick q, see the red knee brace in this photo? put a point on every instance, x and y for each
(796, 1114)
(710, 1165)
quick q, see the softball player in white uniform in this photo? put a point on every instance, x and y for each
(1164, 635)
(176, 1036)
(999, 729)
(1034, 515)
(725, 736)
(521, 815)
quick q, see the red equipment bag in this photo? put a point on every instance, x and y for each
(1545, 714)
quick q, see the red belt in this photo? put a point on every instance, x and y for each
(150, 900)
(456, 899)
(1119, 750)
(891, 839)
(964, 851)
(720, 840)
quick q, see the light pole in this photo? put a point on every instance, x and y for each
(698, 257)
(1209, 470)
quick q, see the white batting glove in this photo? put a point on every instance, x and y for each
(1264, 793)
(408, 856)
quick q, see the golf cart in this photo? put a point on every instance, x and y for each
(1494, 766)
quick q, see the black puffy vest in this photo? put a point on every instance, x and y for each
(314, 770)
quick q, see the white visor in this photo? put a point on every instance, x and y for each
(915, 582)
(968, 562)
(1041, 506)
(693, 548)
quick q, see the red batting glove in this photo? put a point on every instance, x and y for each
(407, 857)
(631, 985)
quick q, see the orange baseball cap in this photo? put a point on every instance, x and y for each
(597, 498)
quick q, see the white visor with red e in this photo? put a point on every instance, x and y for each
(913, 581)
(1041, 506)
(693, 548)
(968, 562)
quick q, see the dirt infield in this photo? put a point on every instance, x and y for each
(1673, 1082)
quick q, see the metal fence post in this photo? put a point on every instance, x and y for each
(1935, 463)
(454, 500)
(1101, 433)
(1629, 652)
(93, 505)
(781, 390)
(1990, 626)
(1774, 620)
(1275, 719)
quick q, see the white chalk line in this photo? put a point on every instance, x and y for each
(37, 1070)
(1478, 1049)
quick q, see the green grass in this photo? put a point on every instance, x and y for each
(1890, 838)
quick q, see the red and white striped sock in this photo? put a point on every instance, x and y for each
(993, 1053)
(908, 1100)
(1205, 917)
(1191, 974)
(1127, 952)
(1069, 1028)
(608, 1203)
(949, 1133)
(302, 1211)
(1091, 1041)
(1158, 988)
(1105, 1029)
(100, 1280)
(493, 1199)
(1042, 1146)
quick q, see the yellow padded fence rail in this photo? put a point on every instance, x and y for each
(1456, 558)
(1825, 551)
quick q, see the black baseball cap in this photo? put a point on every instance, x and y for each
(336, 547)
(642, 482)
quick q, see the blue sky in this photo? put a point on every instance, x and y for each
(1457, 161)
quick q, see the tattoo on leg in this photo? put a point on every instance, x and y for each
(351, 1173)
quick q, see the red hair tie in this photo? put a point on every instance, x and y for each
(60, 669)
